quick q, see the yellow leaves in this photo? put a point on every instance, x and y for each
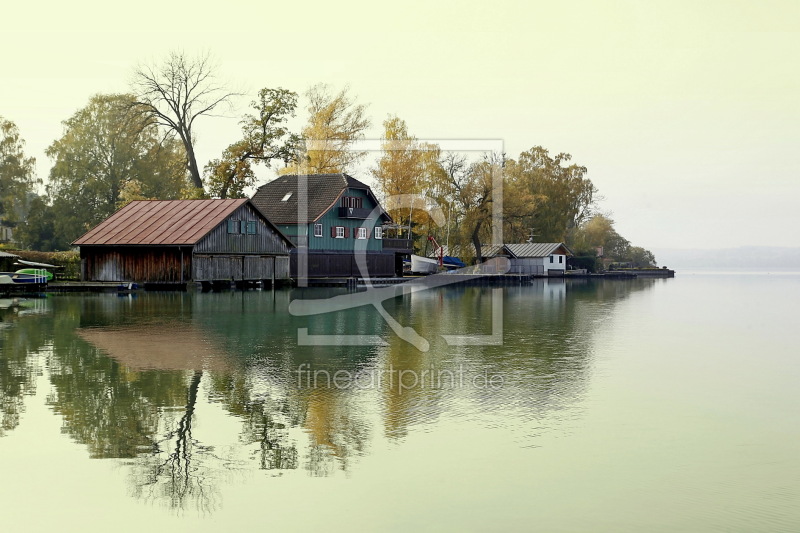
(335, 123)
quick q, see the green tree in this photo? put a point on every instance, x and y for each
(265, 137)
(175, 94)
(641, 258)
(106, 157)
(562, 195)
(38, 231)
(335, 123)
(17, 179)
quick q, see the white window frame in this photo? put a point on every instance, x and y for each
(339, 232)
(362, 233)
(378, 233)
(317, 230)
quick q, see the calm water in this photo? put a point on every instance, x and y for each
(654, 405)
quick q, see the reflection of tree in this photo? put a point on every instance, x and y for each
(21, 338)
(265, 421)
(184, 474)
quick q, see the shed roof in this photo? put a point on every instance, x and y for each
(528, 249)
(7, 255)
(278, 199)
(536, 249)
(161, 222)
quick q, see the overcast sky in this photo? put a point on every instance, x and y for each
(687, 114)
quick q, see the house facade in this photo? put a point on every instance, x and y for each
(177, 241)
(533, 258)
(332, 219)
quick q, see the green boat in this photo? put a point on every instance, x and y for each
(36, 272)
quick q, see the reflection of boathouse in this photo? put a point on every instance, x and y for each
(175, 241)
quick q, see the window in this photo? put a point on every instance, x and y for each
(251, 227)
(551, 258)
(233, 226)
(378, 232)
(340, 232)
(317, 230)
(362, 233)
(560, 258)
(287, 196)
(352, 201)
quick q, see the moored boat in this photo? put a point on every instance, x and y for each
(423, 265)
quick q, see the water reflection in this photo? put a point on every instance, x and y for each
(135, 378)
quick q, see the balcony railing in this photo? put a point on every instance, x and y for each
(397, 245)
(354, 212)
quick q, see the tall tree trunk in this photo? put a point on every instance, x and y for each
(476, 241)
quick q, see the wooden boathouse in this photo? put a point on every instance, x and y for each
(177, 241)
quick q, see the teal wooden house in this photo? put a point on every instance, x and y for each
(331, 218)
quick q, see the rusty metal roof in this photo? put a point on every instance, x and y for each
(161, 222)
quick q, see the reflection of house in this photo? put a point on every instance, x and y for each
(331, 217)
(175, 241)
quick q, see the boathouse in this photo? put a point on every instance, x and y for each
(176, 241)
(530, 258)
(331, 219)
(533, 258)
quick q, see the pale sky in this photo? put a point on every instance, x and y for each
(685, 113)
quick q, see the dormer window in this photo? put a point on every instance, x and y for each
(287, 196)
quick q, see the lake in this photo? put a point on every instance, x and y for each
(577, 405)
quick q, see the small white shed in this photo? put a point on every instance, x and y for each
(537, 258)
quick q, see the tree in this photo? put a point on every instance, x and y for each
(38, 231)
(407, 167)
(108, 156)
(17, 178)
(641, 258)
(177, 92)
(562, 194)
(599, 232)
(335, 123)
(469, 191)
(264, 138)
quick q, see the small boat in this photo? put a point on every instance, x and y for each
(36, 271)
(423, 265)
(21, 277)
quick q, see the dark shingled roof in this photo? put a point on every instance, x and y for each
(323, 191)
(161, 222)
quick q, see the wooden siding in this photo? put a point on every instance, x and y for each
(240, 267)
(327, 265)
(526, 265)
(142, 264)
(331, 218)
(265, 241)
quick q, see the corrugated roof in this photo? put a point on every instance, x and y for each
(535, 249)
(161, 222)
(6, 254)
(529, 249)
(278, 199)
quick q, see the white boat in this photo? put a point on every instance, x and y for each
(423, 265)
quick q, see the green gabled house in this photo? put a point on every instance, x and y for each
(330, 218)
